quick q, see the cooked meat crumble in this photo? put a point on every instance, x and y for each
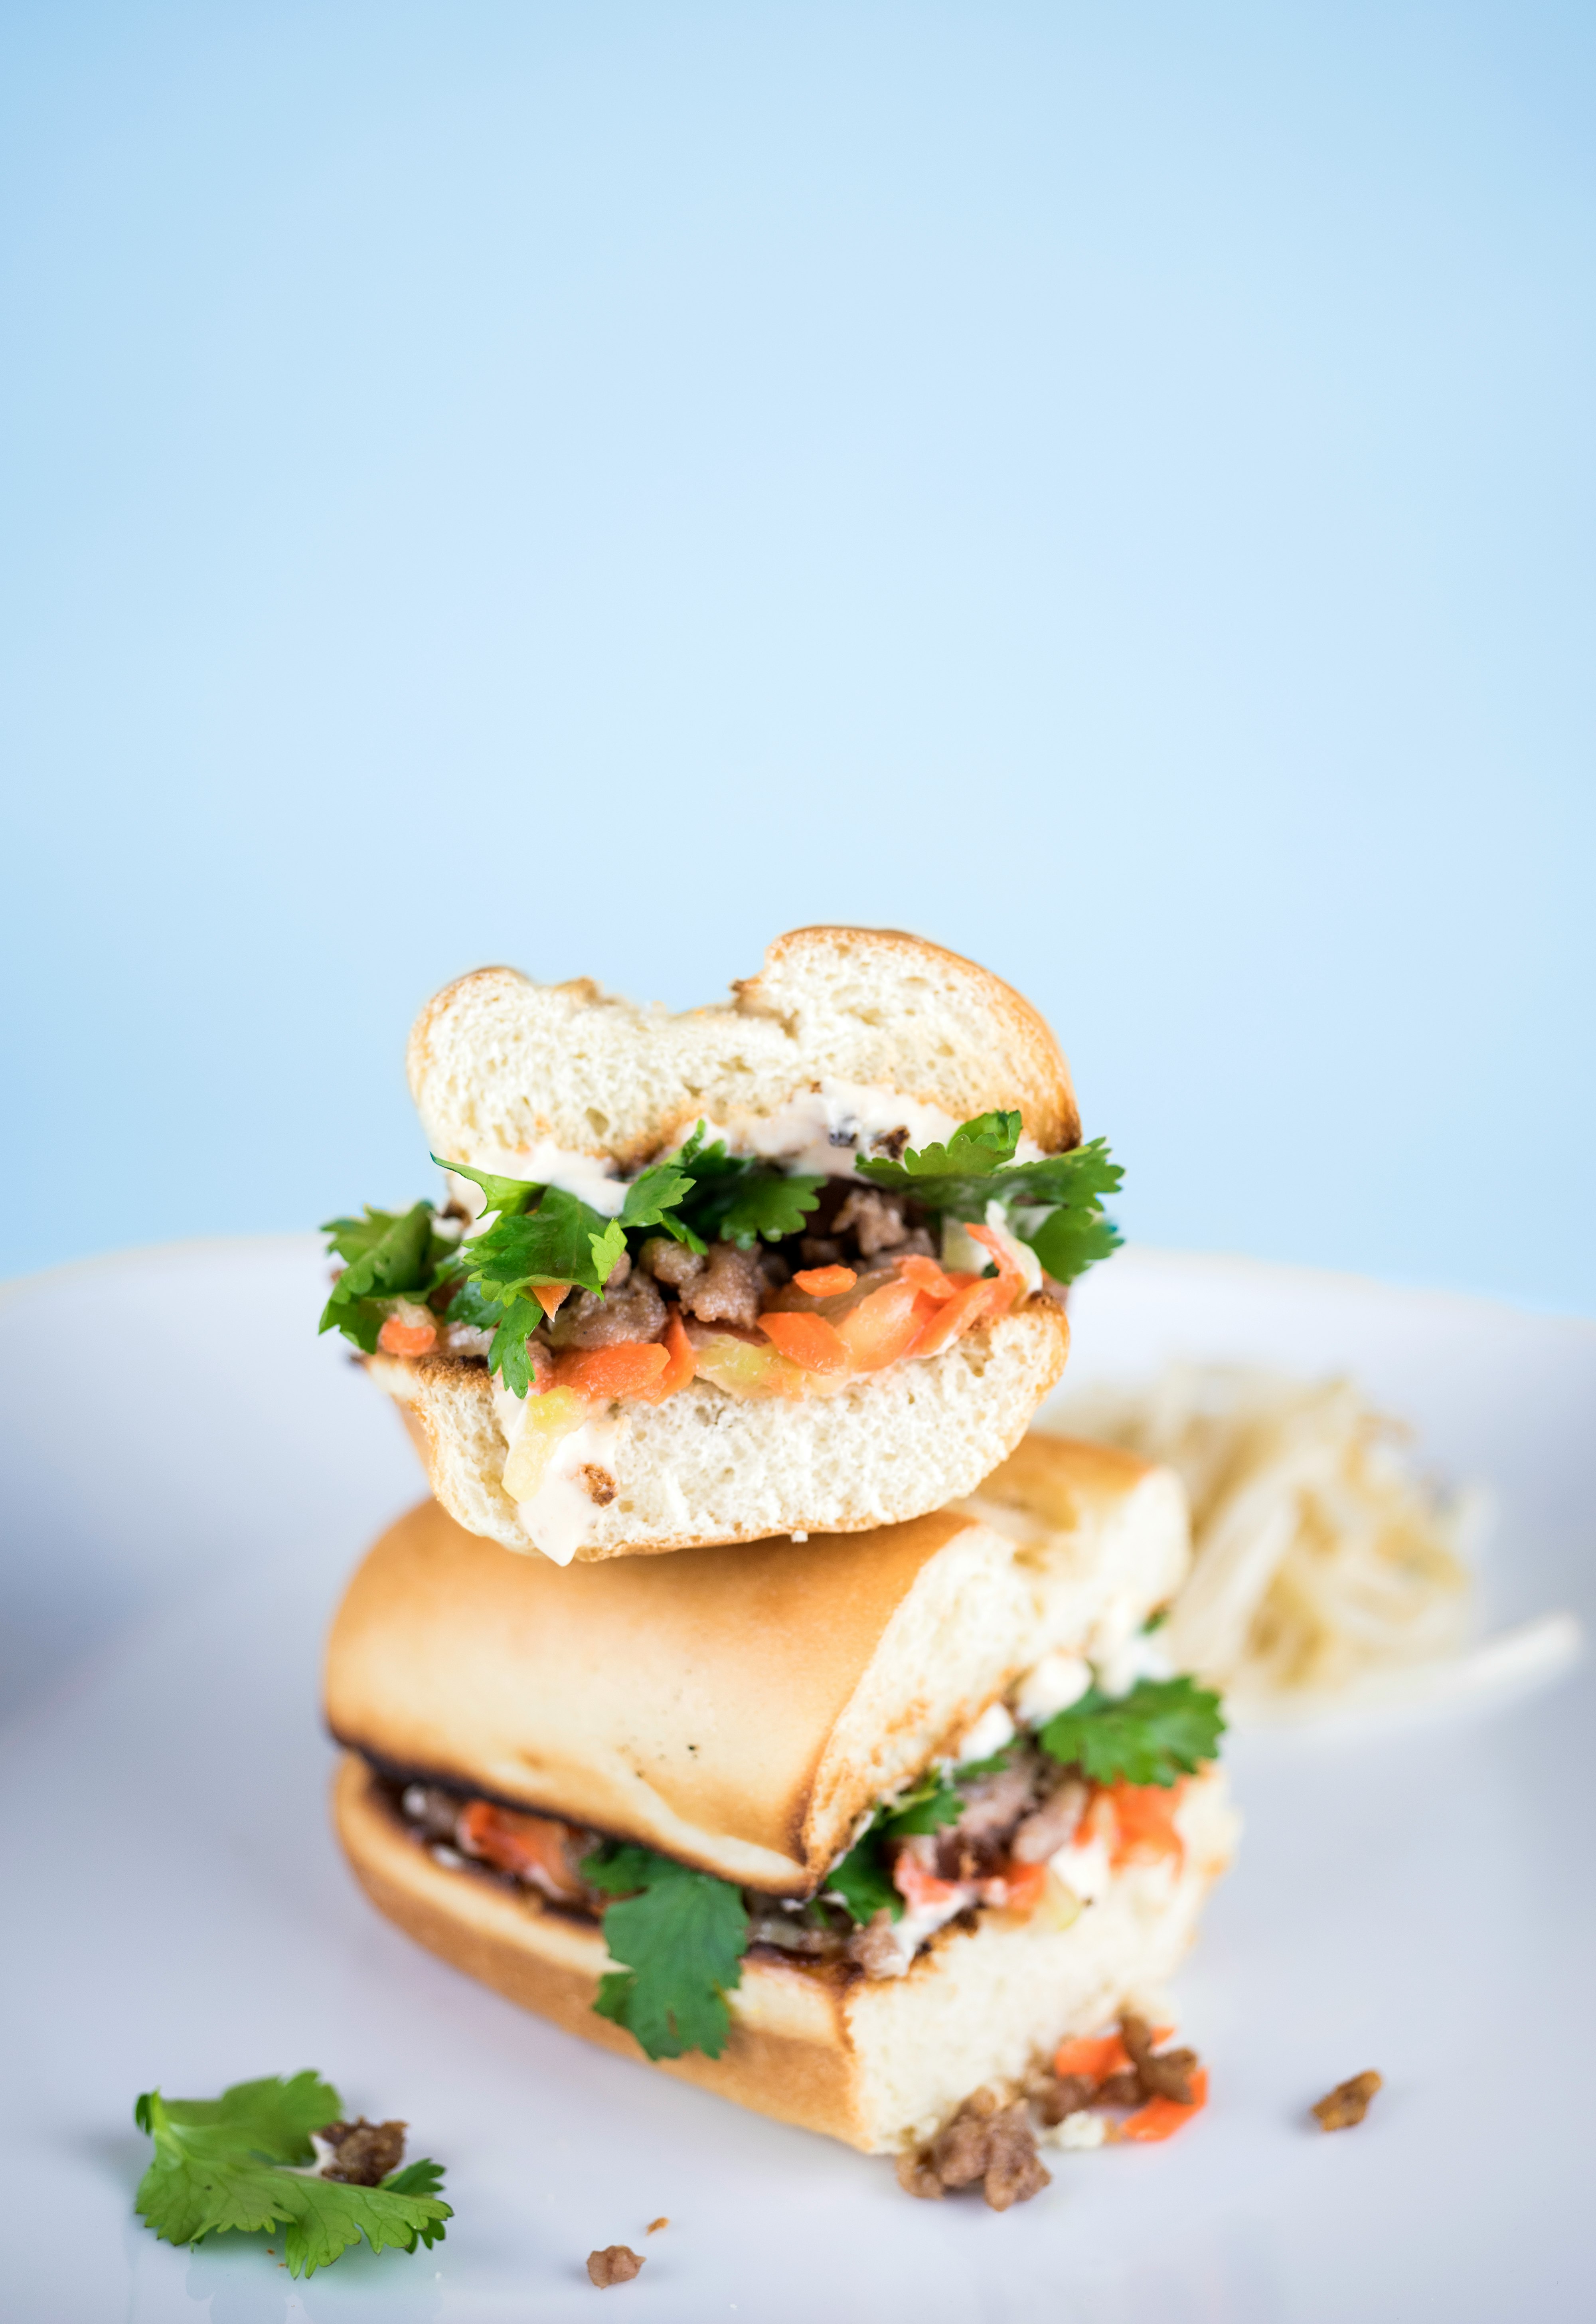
(994, 2144)
(362, 2153)
(1347, 2102)
(616, 2263)
(631, 1309)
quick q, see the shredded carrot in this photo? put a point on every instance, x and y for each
(917, 1885)
(1010, 1282)
(926, 1275)
(629, 1369)
(808, 1339)
(398, 1338)
(1098, 2055)
(519, 1843)
(1136, 1819)
(826, 1282)
(882, 1327)
(681, 1362)
(961, 1312)
(1095, 2056)
(550, 1296)
(1022, 1885)
(1162, 2118)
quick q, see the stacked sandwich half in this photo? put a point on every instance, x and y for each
(875, 1791)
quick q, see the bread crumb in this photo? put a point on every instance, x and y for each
(1347, 2103)
(655, 2226)
(616, 2263)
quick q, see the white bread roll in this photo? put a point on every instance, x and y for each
(739, 1709)
(880, 2063)
(708, 1467)
(499, 1065)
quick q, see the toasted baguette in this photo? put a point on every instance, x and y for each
(879, 2064)
(739, 1708)
(499, 1065)
(708, 1467)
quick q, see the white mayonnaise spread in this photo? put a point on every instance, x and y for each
(1056, 1680)
(1142, 1655)
(558, 1517)
(991, 1732)
(820, 1130)
(912, 1931)
(1086, 1871)
(817, 1131)
(591, 1178)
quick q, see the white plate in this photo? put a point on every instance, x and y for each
(191, 1477)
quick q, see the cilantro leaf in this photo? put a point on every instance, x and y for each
(563, 1240)
(680, 1936)
(1067, 1243)
(1163, 1729)
(218, 2166)
(388, 1255)
(510, 1355)
(863, 1878)
(975, 1150)
(769, 1204)
(976, 1168)
(654, 1198)
(862, 1881)
(508, 1196)
(933, 1804)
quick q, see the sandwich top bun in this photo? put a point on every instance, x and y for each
(739, 1708)
(500, 1066)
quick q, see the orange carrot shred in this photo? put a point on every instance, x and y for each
(809, 1340)
(826, 1282)
(1161, 2118)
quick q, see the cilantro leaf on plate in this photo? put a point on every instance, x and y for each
(1163, 1729)
(236, 2162)
(680, 1936)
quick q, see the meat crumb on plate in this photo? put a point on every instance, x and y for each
(616, 2263)
(1347, 2103)
(361, 2152)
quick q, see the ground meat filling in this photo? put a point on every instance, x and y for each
(851, 1226)
(985, 2142)
(631, 1309)
(1025, 1805)
(722, 1285)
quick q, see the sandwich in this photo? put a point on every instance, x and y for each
(854, 1831)
(792, 1264)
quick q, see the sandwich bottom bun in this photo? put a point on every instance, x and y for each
(705, 1466)
(879, 2063)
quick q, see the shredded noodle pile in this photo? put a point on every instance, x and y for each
(1321, 1559)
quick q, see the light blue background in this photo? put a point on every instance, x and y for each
(593, 487)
